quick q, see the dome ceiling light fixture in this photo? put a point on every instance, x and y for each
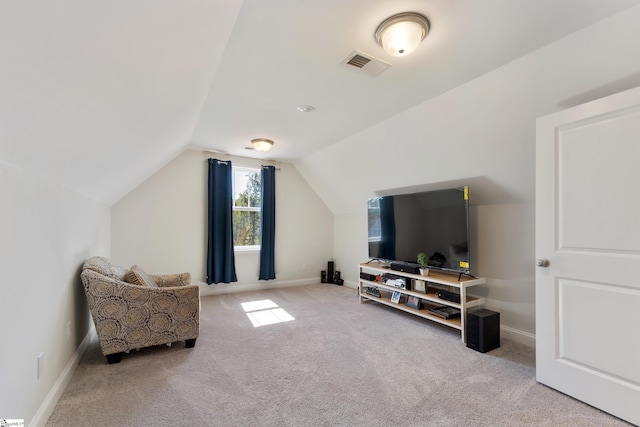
(305, 108)
(400, 34)
(262, 144)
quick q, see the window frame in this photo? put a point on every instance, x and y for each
(234, 208)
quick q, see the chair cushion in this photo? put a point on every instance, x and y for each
(105, 267)
(137, 276)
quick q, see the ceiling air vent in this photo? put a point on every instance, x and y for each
(361, 61)
(358, 61)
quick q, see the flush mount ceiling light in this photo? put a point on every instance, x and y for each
(305, 108)
(400, 34)
(262, 144)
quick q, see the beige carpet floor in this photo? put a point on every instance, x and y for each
(337, 363)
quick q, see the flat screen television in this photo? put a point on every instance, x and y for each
(433, 222)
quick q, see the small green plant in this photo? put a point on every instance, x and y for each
(422, 260)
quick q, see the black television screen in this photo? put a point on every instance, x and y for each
(433, 222)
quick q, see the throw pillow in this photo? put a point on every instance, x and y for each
(137, 276)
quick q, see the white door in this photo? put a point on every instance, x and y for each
(588, 229)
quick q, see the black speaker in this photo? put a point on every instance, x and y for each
(483, 330)
(367, 276)
(323, 276)
(330, 272)
(336, 277)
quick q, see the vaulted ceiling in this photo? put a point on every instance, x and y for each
(97, 95)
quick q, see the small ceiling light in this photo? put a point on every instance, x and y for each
(262, 144)
(305, 108)
(400, 34)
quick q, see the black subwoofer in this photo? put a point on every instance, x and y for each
(483, 330)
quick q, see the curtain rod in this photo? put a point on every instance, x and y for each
(225, 162)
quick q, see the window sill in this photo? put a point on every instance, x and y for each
(246, 250)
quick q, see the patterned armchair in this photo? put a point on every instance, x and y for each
(133, 310)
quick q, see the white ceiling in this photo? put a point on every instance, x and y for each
(99, 95)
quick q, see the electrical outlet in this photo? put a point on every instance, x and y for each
(304, 267)
(68, 330)
(40, 365)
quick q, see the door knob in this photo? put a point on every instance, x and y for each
(542, 262)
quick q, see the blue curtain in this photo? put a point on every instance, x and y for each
(387, 228)
(268, 223)
(220, 258)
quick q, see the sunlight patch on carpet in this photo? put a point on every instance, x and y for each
(265, 312)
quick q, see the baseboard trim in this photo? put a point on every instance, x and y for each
(231, 288)
(518, 336)
(46, 408)
(350, 284)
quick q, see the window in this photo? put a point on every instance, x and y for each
(375, 230)
(246, 208)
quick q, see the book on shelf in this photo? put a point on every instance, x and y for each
(445, 312)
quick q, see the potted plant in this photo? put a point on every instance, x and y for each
(424, 266)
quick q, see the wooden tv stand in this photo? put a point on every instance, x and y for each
(428, 299)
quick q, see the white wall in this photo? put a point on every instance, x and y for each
(47, 233)
(481, 134)
(161, 226)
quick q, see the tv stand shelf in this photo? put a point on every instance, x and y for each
(428, 299)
